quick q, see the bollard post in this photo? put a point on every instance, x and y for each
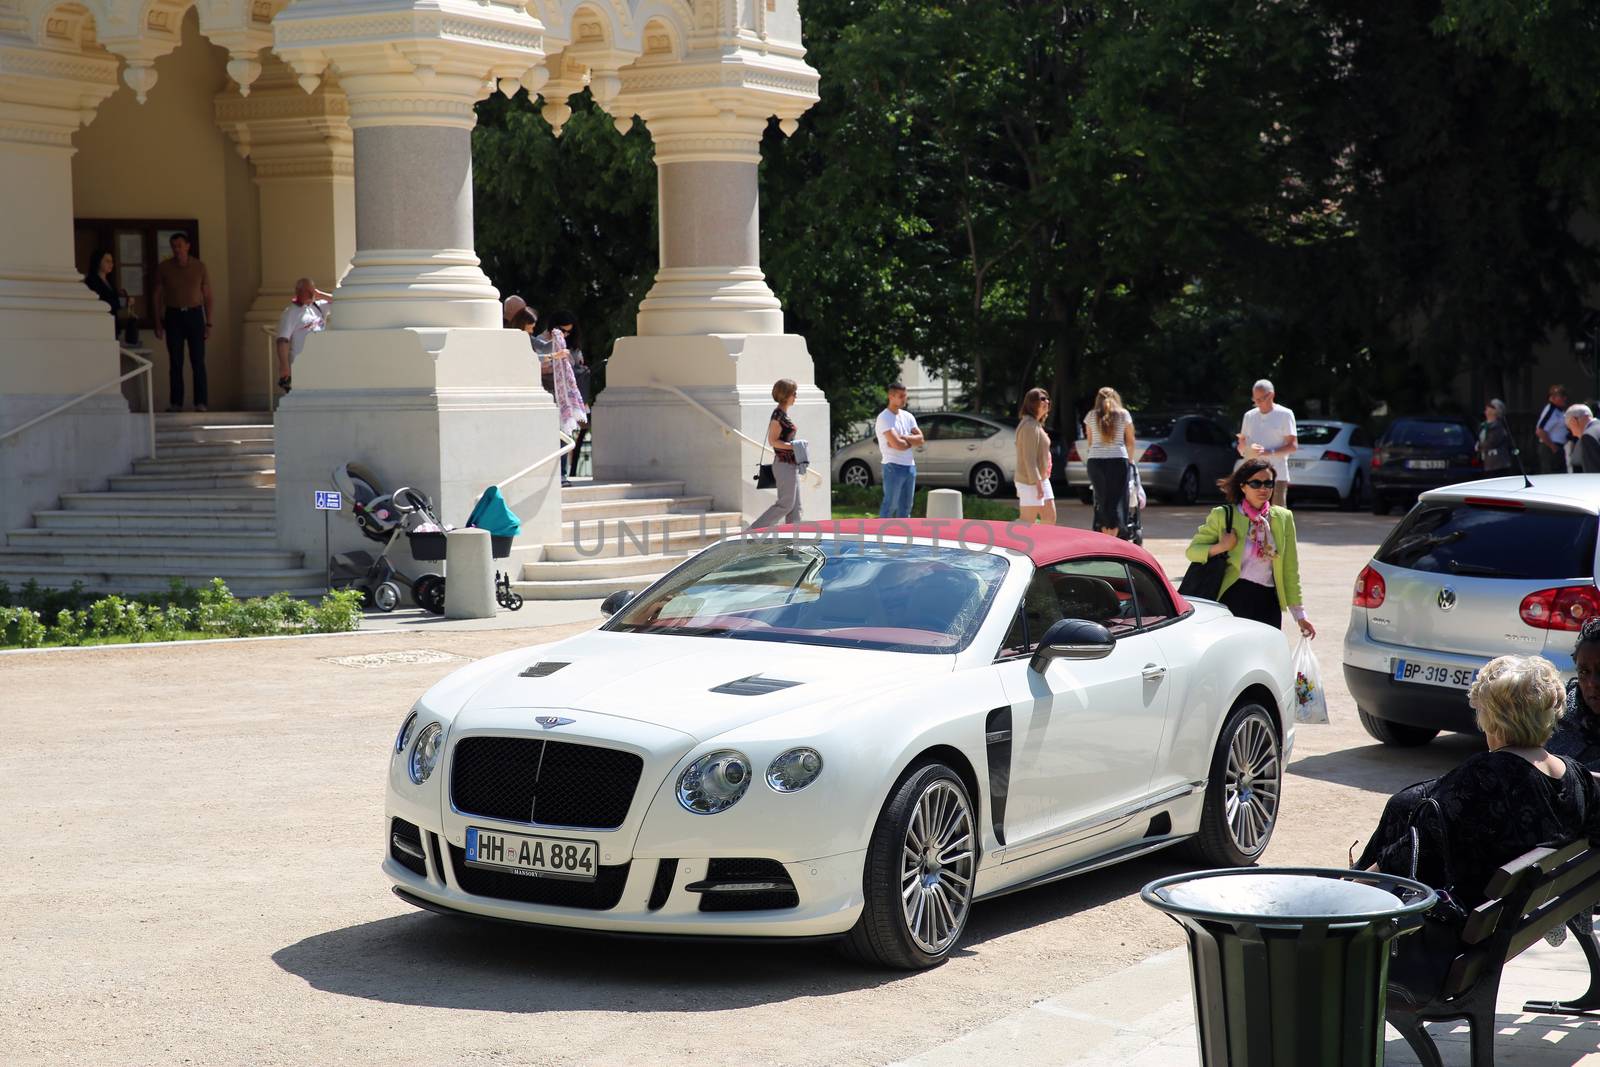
(469, 575)
(944, 504)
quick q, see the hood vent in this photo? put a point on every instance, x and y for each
(753, 686)
(543, 669)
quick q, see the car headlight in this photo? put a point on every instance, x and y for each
(794, 770)
(425, 753)
(714, 782)
(403, 738)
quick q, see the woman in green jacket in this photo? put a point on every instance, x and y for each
(1263, 573)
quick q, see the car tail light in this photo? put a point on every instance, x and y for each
(1072, 455)
(1474, 460)
(1377, 458)
(1338, 457)
(1491, 502)
(1154, 454)
(1567, 608)
(1370, 588)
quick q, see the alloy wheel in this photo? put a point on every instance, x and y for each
(1251, 784)
(856, 474)
(986, 480)
(936, 869)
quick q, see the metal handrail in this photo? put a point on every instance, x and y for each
(568, 444)
(727, 431)
(272, 368)
(145, 368)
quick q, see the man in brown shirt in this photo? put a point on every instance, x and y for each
(183, 313)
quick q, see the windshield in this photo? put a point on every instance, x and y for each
(891, 597)
(1493, 542)
(1316, 433)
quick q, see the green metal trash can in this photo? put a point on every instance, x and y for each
(1289, 964)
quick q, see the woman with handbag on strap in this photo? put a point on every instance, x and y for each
(1262, 576)
(1108, 429)
(785, 469)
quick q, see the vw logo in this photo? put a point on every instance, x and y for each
(1447, 598)
(548, 721)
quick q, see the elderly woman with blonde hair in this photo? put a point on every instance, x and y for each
(1498, 804)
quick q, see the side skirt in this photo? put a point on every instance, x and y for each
(1127, 852)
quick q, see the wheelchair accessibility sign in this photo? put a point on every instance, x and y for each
(327, 501)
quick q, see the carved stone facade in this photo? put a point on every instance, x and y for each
(359, 113)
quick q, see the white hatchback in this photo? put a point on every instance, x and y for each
(1476, 570)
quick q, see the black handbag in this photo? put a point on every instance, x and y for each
(1204, 580)
(765, 478)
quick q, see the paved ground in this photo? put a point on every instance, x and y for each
(192, 834)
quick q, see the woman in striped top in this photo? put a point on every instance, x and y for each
(1109, 429)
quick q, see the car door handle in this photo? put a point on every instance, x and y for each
(1153, 673)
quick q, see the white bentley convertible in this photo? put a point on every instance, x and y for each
(848, 730)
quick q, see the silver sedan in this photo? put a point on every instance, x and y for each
(977, 452)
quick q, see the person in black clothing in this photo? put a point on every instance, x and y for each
(1494, 440)
(1498, 804)
(1578, 730)
(98, 278)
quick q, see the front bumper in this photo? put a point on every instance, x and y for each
(829, 891)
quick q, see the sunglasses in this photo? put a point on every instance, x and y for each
(1257, 483)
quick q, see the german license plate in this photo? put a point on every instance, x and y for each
(1426, 464)
(1420, 672)
(535, 857)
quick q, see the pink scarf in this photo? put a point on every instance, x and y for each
(1258, 542)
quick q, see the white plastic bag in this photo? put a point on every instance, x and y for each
(1310, 699)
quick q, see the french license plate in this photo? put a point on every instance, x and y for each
(1426, 464)
(535, 857)
(1419, 672)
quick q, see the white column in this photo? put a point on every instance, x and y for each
(710, 280)
(300, 150)
(415, 378)
(710, 326)
(57, 340)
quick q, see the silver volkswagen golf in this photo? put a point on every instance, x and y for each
(1475, 571)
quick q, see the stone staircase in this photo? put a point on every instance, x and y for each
(619, 535)
(203, 508)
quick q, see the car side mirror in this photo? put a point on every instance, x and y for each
(1076, 639)
(616, 602)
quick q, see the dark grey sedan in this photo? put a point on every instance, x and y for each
(1180, 456)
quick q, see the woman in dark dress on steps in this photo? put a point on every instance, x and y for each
(1498, 804)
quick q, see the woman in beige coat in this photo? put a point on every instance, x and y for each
(1034, 496)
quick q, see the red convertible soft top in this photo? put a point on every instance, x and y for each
(1042, 544)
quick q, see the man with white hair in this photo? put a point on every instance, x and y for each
(308, 314)
(1269, 433)
(1585, 430)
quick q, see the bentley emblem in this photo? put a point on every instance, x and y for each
(548, 721)
(1447, 598)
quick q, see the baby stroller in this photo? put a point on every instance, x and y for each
(1133, 529)
(382, 517)
(492, 514)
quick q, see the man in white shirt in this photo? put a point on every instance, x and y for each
(1269, 433)
(1551, 430)
(897, 435)
(306, 316)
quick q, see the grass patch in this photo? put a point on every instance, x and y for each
(863, 502)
